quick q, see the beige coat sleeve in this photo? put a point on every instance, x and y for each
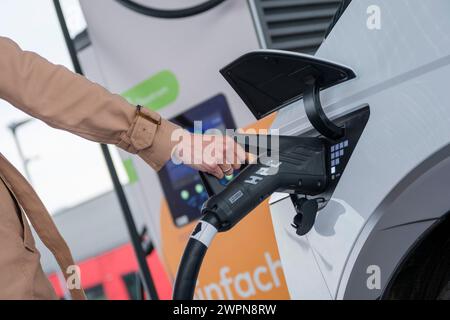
(68, 101)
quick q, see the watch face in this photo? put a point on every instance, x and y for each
(181, 184)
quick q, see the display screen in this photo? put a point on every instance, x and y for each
(182, 185)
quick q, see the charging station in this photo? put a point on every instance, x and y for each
(375, 92)
(181, 81)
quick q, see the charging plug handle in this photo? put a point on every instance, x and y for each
(299, 169)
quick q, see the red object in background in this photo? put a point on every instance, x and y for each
(104, 276)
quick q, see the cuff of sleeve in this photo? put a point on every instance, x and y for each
(150, 137)
(160, 152)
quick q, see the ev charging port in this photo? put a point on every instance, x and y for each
(309, 166)
(339, 154)
(269, 80)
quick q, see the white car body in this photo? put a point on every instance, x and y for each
(397, 183)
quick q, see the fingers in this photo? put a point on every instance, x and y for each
(251, 158)
(241, 155)
(222, 164)
(217, 155)
(227, 169)
(216, 171)
(233, 153)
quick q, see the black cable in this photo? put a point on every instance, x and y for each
(189, 269)
(134, 234)
(170, 14)
(191, 262)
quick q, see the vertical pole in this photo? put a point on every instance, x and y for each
(131, 225)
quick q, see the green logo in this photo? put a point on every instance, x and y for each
(156, 92)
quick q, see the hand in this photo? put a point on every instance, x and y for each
(215, 154)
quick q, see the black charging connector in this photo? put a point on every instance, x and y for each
(308, 167)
